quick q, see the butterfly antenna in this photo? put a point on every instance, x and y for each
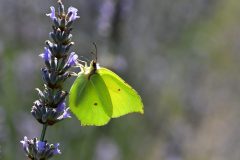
(95, 53)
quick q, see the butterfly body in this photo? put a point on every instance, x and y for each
(98, 95)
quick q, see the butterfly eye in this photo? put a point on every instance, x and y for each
(95, 104)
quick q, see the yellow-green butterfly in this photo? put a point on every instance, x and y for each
(98, 94)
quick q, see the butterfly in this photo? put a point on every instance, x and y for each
(98, 94)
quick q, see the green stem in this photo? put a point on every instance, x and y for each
(43, 132)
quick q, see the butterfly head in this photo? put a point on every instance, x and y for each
(92, 68)
(93, 65)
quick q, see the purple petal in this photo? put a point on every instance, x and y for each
(72, 60)
(56, 150)
(52, 14)
(61, 107)
(66, 114)
(41, 146)
(24, 142)
(46, 55)
(74, 13)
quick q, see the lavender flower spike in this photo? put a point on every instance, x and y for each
(46, 55)
(37, 150)
(52, 15)
(73, 11)
(51, 108)
(72, 60)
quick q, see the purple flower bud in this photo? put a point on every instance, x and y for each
(50, 116)
(72, 60)
(40, 146)
(52, 14)
(46, 55)
(61, 107)
(73, 12)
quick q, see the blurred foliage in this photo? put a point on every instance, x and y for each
(181, 56)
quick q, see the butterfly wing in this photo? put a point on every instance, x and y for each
(90, 101)
(124, 98)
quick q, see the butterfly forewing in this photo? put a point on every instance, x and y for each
(85, 103)
(124, 98)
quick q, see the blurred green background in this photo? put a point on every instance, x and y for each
(181, 56)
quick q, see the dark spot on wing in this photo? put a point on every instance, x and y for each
(95, 104)
(119, 89)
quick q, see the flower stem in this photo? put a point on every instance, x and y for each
(43, 132)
